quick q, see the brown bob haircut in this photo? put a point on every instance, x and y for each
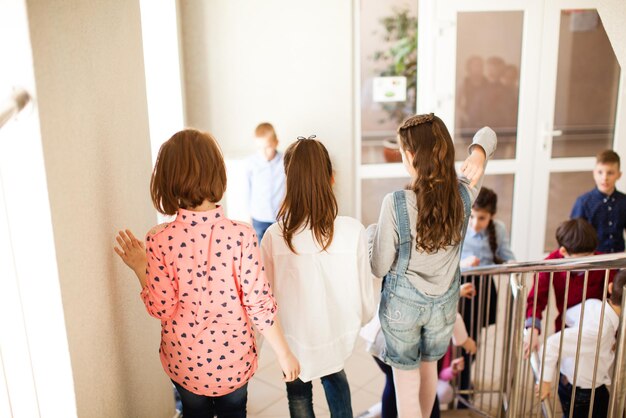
(189, 170)
(440, 213)
(608, 157)
(266, 129)
(309, 198)
(577, 236)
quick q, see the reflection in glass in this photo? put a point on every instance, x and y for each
(587, 86)
(564, 189)
(489, 46)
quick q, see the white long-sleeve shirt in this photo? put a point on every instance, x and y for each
(589, 340)
(324, 297)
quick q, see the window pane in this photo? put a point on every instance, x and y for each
(586, 88)
(564, 189)
(388, 31)
(489, 46)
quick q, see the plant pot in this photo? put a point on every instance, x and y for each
(391, 150)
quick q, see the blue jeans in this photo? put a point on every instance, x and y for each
(336, 388)
(260, 227)
(232, 405)
(582, 401)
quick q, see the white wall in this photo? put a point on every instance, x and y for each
(91, 86)
(35, 370)
(283, 61)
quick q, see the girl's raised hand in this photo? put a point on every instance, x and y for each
(132, 251)
(474, 166)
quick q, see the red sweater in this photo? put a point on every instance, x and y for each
(595, 284)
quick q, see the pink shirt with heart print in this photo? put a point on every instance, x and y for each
(206, 283)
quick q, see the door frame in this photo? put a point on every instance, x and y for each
(538, 73)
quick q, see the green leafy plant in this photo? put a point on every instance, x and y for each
(400, 59)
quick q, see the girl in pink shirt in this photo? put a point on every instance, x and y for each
(202, 276)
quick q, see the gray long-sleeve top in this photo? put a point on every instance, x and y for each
(432, 273)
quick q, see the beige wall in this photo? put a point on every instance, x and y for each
(284, 61)
(92, 105)
(613, 14)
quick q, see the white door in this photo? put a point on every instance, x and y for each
(576, 113)
(497, 64)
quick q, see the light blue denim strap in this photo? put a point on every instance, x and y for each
(467, 210)
(404, 232)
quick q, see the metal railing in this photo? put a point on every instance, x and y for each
(502, 376)
(13, 105)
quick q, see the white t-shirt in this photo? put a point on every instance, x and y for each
(324, 297)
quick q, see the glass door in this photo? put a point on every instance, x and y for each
(483, 59)
(544, 76)
(576, 112)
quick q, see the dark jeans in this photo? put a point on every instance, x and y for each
(582, 401)
(336, 388)
(232, 405)
(389, 407)
(260, 227)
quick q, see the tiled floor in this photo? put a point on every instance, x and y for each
(267, 397)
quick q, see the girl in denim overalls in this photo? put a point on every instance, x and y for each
(416, 247)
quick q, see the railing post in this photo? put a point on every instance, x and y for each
(518, 284)
(618, 383)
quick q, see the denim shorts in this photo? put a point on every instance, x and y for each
(417, 327)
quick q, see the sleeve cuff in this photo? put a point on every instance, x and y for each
(486, 138)
(529, 323)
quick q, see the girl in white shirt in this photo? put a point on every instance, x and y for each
(318, 265)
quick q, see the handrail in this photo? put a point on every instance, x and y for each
(594, 262)
(13, 105)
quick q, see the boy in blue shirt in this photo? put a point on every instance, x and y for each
(265, 179)
(604, 207)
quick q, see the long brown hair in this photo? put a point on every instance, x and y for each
(440, 213)
(309, 198)
(189, 169)
(487, 201)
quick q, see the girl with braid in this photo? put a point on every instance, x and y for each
(486, 242)
(416, 247)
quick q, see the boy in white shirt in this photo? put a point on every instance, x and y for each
(587, 355)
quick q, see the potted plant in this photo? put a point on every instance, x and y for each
(399, 59)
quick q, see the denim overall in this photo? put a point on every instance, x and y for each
(417, 327)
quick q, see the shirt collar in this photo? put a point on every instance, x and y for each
(601, 195)
(194, 218)
(475, 234)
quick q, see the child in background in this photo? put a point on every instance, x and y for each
(416, 248)
(265, 179)
(202, 277)
(576, 238)
(318, 265)
(486, 242)
(587, 356)
(605, 207)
